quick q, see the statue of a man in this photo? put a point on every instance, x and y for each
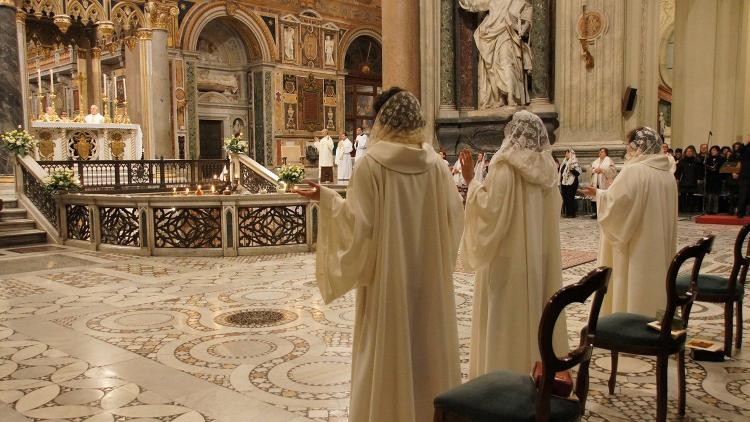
(504, 57)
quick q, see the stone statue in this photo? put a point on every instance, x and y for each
(504, 56)
(289, 43)
(328, 44)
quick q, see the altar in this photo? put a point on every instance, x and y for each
(87, 141)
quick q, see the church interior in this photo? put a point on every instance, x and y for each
(157, 245)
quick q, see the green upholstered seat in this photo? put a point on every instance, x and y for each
(628, 329)
(708, 284)
(503, 396)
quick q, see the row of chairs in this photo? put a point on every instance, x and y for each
(508, 396)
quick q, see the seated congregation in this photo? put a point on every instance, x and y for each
(396, 240)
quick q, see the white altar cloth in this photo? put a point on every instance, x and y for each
(63, 134)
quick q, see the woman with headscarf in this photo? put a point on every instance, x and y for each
(638, 222)
(512, 240)
(480, 169)
(395, 239)
(569, 172)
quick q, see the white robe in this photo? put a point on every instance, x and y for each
(638, 220)
(94, 118)
(512, 238)
(395, 238)
(325, 152)
(344, 160)
(605, 179)
(361, 142)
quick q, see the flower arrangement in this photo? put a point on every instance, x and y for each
(291, 174)
(235, 145)
(18, 141)
(61, 180)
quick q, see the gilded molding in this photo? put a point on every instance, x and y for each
(144, 34)
(96, 53)
(161, 13)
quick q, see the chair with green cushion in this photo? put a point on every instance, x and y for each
(629, 333)
(729, 291)
(509, 396)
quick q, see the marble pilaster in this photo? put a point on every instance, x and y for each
(25, 93)
(466, 87)
(160, 96)
(401, 42)
(11, 96)
(263, 118)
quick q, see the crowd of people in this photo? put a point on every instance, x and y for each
(395, 239)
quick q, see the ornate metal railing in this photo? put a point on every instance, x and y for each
(142, 175)
(33, 189)
(251, 175)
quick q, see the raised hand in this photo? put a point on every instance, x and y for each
(312, 194)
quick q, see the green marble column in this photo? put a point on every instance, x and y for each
(541, 49)
(11, 97)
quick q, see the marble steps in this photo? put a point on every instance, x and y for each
(17, 229)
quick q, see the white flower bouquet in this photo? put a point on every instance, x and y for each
(62, 180)
(291, 174)
(235, 145)
(18, 141)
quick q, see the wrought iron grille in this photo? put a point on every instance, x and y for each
(119, 226)
(44, 201)
(141, 175)
(272, 226)
(187, 227)
(253, 182)
(79, 224)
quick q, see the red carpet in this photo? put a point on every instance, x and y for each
(722, 219)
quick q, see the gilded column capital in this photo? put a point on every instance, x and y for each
(161, 13)
(96, 53)
(144, 34)
(20, 16)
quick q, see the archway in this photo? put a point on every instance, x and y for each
(226, 49)
(364, 81)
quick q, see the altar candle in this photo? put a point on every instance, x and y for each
(187, 191)
(52, 81)
(213, 189)
(104, 79)
(124, 90)
(39, 78)
(174, 191)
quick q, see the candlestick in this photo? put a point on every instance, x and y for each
(187, 191)
(174, 191)
(213, 189)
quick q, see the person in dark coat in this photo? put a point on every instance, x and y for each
(714, 179)
(689, 169)
(744, 180)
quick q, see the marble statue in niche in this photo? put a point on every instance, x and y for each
(329, 49)
(504, 55)
(289, 43)
(218, 81)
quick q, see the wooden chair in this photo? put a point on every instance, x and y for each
(729, 291)
(509, 396)
(629, 333)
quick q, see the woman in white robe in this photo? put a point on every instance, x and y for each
(603, 173)
(512, 240)
(395, 239)
(638, 221)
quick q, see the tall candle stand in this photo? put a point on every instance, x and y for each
(80, 118)
(121, 113)
(40, 105)
(105, 100)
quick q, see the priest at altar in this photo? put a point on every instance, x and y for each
(94, 116)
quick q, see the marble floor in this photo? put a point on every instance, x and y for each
(101, 337)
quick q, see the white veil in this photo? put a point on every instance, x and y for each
(525, 131)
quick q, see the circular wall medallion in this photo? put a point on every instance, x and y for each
(591, 25)
(255, 318)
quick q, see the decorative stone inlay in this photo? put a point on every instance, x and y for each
(447, 53)
(256, 318)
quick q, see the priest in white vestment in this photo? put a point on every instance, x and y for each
(360, 144)
(325, 157)
(344, 158)
(512, 240)
(395, 239)
(94, 116)
(638, 221)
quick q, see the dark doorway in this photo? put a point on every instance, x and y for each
(211, 139)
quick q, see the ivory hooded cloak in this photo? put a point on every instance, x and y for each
(512, 240)
(395, 239)
(638, 221)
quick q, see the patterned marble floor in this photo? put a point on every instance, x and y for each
(102, 337)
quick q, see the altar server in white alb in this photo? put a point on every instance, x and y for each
(395, 239)
(512, 240)
(638, 221)
(360, 144)
(344, 158)
(94, 116)
(325, 157)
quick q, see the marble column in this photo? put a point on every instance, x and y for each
(160, 96)
(401, 45)
(11, 96)
(96, 83)
(541, 51)
(25, 93)
(263, 110)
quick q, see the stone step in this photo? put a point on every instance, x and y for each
(22, 237)
(12, 213)
(9, 202)
(17, 224)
